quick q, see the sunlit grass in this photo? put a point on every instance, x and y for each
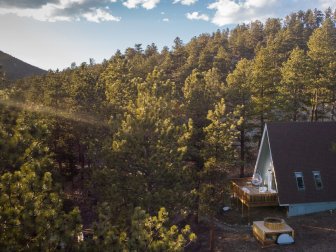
(55, 112)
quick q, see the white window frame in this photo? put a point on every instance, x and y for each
(299, 175)
(318, 173)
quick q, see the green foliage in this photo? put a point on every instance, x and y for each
(322, 52)
(146, 233)
(265, 77)
(240, 89)
(201, 91)
(147, 156)
(21, 142)
(222, 62)
(31, 215)
(151, 129)
(240, 84)
(295, 85)
(239, 93)
(117, 78)
(219, 156)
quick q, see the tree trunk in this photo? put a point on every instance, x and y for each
(261, 128)
(296, 110)
(242, 152)
(212, 235)
(313, 116)
(312, 113)
(261, 115)
(316, 106)
(60, 165)
(81, 159)
(333, 106)
(197, 203)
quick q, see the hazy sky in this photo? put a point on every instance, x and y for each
(54, 33)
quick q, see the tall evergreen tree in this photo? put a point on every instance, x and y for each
(322, 51)
(239, 93)
(31, 214)
(293, 89)
(145, 157)
(265, 77)
(120, 89)
(218, 153)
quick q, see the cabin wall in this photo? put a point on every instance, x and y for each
(264, 160)
(307, 208)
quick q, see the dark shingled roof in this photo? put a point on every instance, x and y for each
(303, 147)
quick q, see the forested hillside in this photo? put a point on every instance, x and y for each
(148, 129)
(16, 69)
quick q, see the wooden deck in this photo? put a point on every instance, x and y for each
(249, 194)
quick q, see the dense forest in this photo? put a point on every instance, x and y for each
(115, 147)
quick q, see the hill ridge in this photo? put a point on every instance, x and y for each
(15, 68)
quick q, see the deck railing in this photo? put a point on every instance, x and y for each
(252, 199)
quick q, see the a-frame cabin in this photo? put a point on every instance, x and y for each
(297, 166)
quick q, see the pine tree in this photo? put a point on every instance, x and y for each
(120, 89)
(322, 51)
(265, 77)
(222, 62)
(218, 153)
(145, 155)
(31, 213)
(272, 27)
(239, 43)
(146, 233)
(239, 93)
(293, 89)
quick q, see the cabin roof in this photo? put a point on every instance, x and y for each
(303, 147)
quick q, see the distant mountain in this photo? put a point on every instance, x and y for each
(16, 69)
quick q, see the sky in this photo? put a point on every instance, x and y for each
(52, 34)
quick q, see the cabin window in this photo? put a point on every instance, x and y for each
(299, 181)
(318, 180)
